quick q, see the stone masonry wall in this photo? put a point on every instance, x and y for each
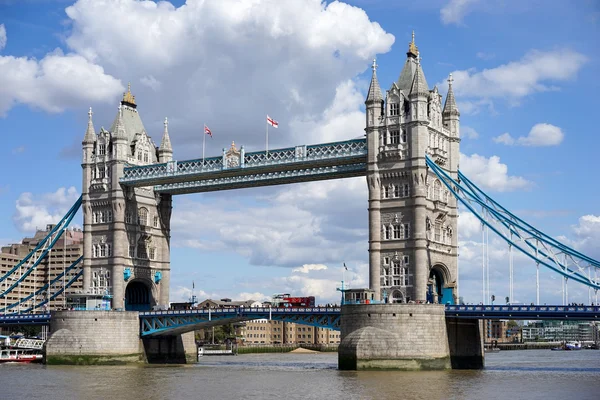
(393, 336)
(77, 336)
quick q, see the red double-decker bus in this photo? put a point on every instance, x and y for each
(288, 301)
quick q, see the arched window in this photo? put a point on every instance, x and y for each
(437, 187)
(143, 216)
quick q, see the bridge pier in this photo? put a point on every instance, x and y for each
(111, 338)
(407, 337)
(176, 349)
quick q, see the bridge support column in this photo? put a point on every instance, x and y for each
(177, 349)
(393, 336)
(111, 338)
(465, 339)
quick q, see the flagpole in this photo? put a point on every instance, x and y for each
(203, 144)
(267, 148)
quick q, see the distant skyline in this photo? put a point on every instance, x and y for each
(525, 78)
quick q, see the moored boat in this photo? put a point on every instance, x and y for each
(20, 356)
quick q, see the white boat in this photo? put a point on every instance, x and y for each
(20, 356)
(568, 346)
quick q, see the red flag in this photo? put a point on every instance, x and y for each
(272, 122)
(207, 131)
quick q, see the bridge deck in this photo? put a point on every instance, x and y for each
(237, 169)
(172, 322)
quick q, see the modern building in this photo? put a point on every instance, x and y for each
(67, 250)
(559, 331)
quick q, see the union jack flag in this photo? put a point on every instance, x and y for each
(207, 131)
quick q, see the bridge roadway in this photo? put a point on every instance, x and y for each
(157, 323)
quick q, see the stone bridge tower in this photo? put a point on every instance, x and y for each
(413, 248)
(126, 231)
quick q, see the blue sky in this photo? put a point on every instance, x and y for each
(525, 81)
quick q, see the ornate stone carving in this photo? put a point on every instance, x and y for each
(232, 157)
(388, 218)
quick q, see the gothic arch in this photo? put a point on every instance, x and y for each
(139, 295)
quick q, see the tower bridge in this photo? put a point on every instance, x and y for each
(409, 157)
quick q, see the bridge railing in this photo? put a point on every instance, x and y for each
(298, 154)
(521, 308)
(244, 310)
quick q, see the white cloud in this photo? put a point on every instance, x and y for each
(456, 10)
(54, 83)
(541, 134)
(468, 132)
(468, 225)
(2, 36)
(490, 173)
(505, 138)
(538, 71)
(311, 223)
(33, 212)
(291, 60)
(309, 267)
(587, 235)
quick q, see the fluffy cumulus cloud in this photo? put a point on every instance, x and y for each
(540, 135)
(229, 63)
(36, 211)
(537, 71)
(53, 83)
(456, 10)
(490, 173)
(587, 235)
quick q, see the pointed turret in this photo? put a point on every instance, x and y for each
(407, 74)
(450, 115)
(165, 151)
(450, 107)
(119, 128)
(90, 133)
(419, 84)
(374, 94)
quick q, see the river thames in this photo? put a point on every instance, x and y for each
(525, 374)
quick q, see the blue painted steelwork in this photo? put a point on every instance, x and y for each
(264, 179)
(575, 313)
(43, 247)
(68, 284)
(521, 236)
(294, 164)
(156, 323)
(25, 319)
(44, 288)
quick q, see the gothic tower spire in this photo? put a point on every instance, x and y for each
(165, 151)
(374, 89)
(450, 107)
(90, 133)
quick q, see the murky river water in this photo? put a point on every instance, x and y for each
(509, 375)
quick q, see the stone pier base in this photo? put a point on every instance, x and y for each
(110, 338)
(393, 336)
(178, 349)
(465, 340)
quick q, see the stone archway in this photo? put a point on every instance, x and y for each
(398, 297)
(137, 297)
(437, 286)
